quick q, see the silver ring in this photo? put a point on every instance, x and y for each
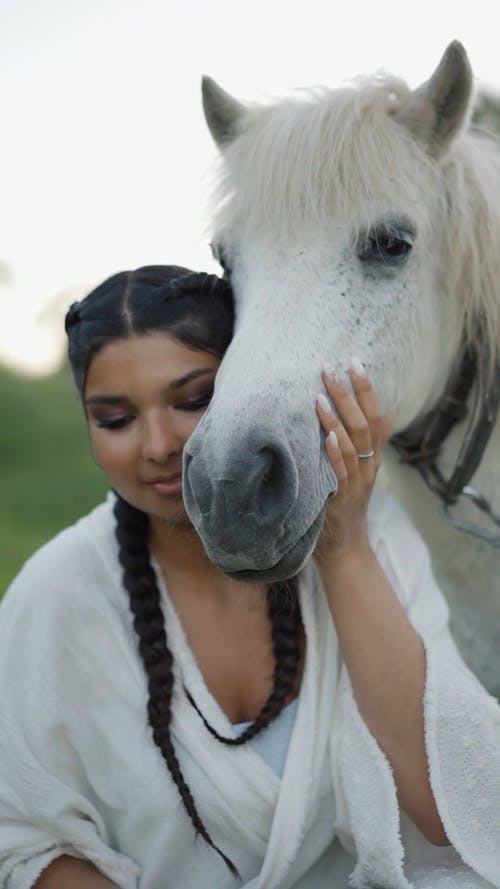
(366, 456)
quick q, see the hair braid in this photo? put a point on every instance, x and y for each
(132, 532)
(286, 622)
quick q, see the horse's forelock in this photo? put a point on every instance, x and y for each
(322, 149)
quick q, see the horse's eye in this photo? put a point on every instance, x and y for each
(391, 246)
(387, 245)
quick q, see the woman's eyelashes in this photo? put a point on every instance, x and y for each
(192, 404)
(113, 422)
(195, 404)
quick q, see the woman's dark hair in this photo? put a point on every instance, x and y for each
(194, 307)
(197, 309)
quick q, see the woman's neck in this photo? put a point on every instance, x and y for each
(225, 621)
(184, 562)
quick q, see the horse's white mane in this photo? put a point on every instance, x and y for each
(350, 160)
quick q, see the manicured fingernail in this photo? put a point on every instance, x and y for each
(324, 404)
(332, 438)
(330, 373)
(358, 368)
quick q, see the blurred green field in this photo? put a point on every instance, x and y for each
(47, 477)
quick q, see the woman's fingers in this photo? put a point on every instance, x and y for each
(355, 436)
(358, 413)
(337, 462)
(357, 420)
(346, 448)
(367, 401)
(340, 450)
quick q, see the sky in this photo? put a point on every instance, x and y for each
(105, 157)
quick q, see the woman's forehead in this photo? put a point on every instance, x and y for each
(144, 360)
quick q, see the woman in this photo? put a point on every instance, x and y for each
(93, 648)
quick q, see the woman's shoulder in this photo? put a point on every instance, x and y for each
(66, 636)
(73, 560)
(66, 614)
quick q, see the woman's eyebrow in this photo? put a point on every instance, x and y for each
(175, 384)
(192, 375)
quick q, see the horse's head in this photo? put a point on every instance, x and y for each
(333, 224)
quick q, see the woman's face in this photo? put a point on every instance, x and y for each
(143, 397)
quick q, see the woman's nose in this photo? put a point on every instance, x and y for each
(159, 439)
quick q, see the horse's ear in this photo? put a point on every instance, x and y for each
(436, 110)
(223, 113)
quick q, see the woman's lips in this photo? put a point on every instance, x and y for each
(168, 486)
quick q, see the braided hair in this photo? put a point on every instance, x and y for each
(198, 310)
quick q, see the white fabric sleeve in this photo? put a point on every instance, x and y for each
(462, 720)
(43, 817)
(46, 805)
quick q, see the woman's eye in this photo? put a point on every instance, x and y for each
(113, 422)
(196, 404)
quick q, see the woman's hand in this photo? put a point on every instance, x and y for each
(356, 433)
(383, 653)
(72, 873)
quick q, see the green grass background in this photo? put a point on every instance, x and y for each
(47, 476)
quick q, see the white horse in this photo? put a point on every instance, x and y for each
(360, 221)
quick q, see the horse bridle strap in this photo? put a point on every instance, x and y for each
(472, 390)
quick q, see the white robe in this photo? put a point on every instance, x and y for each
(80, 774)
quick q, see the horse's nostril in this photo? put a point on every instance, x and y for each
(268, 460)
(271, 486)
(271, 471)
(262, 486)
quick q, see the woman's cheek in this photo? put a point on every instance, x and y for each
(111, 450)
